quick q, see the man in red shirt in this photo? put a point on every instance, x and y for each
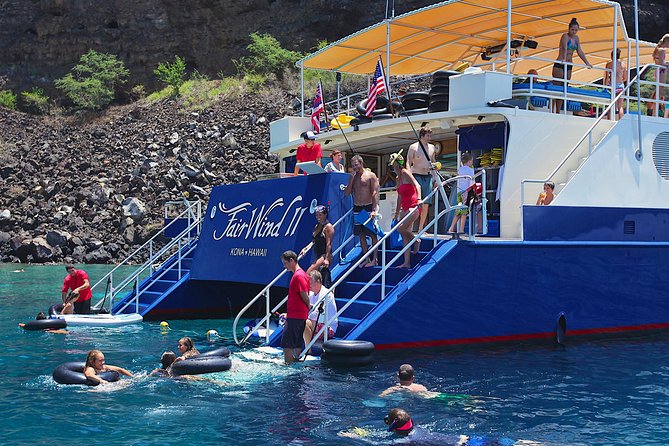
(309, 151)
(77, 281)
(298, 306)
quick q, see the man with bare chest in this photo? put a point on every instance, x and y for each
(364, 185)
(421, 168)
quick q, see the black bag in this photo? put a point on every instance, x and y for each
(326, 277)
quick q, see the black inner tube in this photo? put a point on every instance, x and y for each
(45, 324)
(73, 373)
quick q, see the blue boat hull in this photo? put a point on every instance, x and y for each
(508, 291)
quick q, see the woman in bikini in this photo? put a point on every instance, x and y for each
(569, 42)
(408, 191)
(321, 240)
(95, 364)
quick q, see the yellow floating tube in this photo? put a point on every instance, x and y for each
(341, 121)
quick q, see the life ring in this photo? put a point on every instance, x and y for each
(413, 104)
(441, 74)
(342, 347)
(45, 324)
(73, 373)
(420, 95)
(341, 121)
(362, 119)
(381, 106)
(222, 351)
(56, 309)
(346, 361)
(209, 362)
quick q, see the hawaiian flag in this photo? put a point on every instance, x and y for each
(317, 108)
(377, 86)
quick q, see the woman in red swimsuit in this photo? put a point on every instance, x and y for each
(408, 191)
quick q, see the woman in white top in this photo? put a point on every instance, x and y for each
(316, 319)
(336, 165)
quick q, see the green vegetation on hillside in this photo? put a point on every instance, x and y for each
(93, 81)
(172, 73)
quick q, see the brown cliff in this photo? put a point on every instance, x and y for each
(40, 40)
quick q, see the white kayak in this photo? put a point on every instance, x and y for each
(100, 320)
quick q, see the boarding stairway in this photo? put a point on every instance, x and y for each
(569, 167)
(169, 255)
(362, 291)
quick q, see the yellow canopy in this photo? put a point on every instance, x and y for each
(446, 34)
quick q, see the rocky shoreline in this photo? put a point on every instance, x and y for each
(92, 187)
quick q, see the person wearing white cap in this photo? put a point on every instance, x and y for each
(310, 150)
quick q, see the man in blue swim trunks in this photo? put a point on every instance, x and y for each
(364, 185)
(421, 168)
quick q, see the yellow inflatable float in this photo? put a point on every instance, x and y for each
(341, 121)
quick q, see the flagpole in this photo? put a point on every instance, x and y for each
(325, 111)
(387, 81)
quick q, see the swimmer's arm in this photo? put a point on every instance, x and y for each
(90, 374)
(120, 370)
(388, 391)
(357, 433)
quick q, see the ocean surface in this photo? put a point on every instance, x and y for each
(606, 392)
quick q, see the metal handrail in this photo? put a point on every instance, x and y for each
(265, 291)
(138, 273)
(149, 244)
(134, 277)
(587, 134)
(386, 265)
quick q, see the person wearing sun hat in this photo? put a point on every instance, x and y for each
(310, 150)
(408, 191)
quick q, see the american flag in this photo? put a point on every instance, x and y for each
(378, 86)
(317, 108)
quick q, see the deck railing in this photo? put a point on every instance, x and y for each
(385, 264)
(266, 291)
(591, 145)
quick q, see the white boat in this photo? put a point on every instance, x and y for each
(99, 320)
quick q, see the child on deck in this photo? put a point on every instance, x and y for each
(547, 196)
(621, 80)
(463, 184)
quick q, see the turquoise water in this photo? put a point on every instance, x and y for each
(610, 392)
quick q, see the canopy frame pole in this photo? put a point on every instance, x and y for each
(508, 36)
(613, 113)
(639, 152)
(302, 88)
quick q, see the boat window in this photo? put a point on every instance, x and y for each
(661, 154)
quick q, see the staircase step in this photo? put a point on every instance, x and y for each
(173, 274)
(148, 297)
(393, 275)
(160, 286)
(415, 258)
(346, 324)
(349, 289)
(357, 310)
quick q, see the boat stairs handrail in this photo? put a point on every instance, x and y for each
(193, 214)
(587, 135)
(387, 264)
(266, 291)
